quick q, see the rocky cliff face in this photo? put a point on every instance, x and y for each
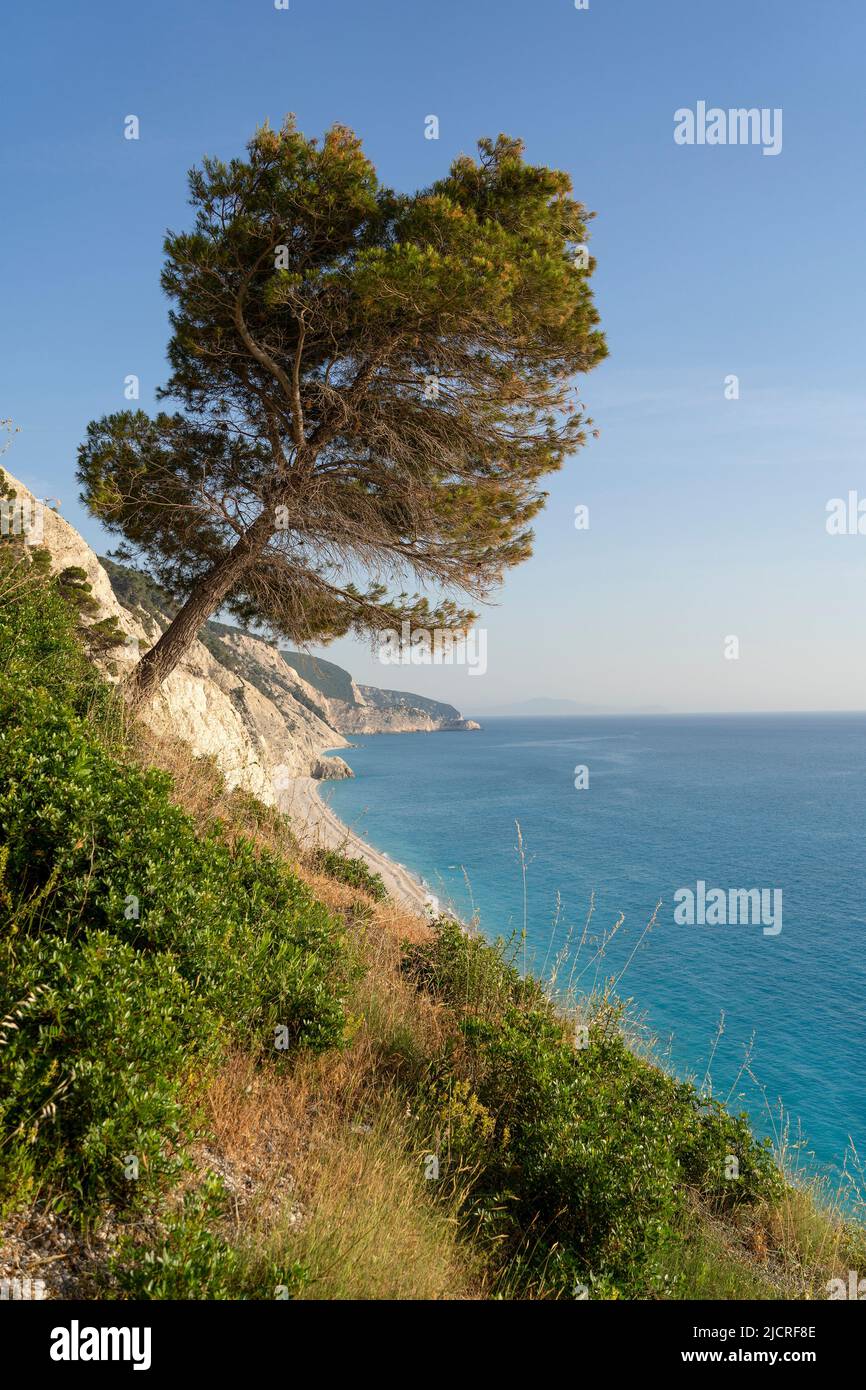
(256, 719)
(398, 712)
(235, 697)
(366, 709)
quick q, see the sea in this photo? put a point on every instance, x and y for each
(534, 825)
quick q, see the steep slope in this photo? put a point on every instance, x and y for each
(260, 728)
(266, 717)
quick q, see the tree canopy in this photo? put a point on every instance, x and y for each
(369, 387)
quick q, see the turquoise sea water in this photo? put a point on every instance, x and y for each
(775, 802)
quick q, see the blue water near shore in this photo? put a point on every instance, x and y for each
(774, 802)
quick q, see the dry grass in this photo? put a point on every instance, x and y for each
(199, 789)
(325, 1170)
(324, 1163)
(387, 918)
(789, 1250)
(373, 1229)
(810, 1242)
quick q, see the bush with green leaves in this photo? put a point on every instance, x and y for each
(95, 1057)
(583, 1156)
(353, 871)
(134, 947)
(191, 1260)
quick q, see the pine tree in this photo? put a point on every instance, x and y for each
(371, 387)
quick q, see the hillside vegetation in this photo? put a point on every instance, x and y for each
(232, 1070)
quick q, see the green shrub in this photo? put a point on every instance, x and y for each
(95, 1066)
(469, 973)
(126, 861)
(38, 642)
(147, 945)
(191, 1261)
(355, 872)
(583, 1156)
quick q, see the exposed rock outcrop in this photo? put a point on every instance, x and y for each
(367, 709)
(264, 716)
(331, 769)
(257, 720)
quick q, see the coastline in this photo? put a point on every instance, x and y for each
(319, 827)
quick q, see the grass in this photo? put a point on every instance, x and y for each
(325, 1097)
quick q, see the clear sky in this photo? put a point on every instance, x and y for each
(707, 515)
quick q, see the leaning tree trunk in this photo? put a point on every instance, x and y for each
(202, 603)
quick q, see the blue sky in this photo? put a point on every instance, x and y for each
(707, 515)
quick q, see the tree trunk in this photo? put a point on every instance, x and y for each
(202, 603)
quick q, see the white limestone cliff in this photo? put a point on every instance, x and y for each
(235, 697)
(259, 734)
